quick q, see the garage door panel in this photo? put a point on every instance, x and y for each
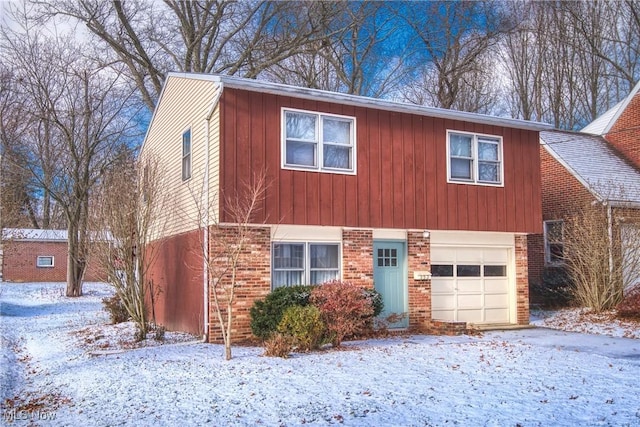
(496, 301)
(477, 295)
(439, 286)
(469, 286)
(496, 286)
(443, 302)
(469, 256)
(469, 301)
(471, 315)
(495, 256)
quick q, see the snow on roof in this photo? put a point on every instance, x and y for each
(595, 164)
(32, 234)
(602, 125)
(358, 101)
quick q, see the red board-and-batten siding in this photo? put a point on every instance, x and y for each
(401, 179)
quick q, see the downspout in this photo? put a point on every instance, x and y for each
(205, 216)
(610, 236)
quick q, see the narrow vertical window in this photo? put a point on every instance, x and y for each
(186, 155)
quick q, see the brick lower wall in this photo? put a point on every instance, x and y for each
(419, 259)
(522, 280)
(535, 255)
(19, 263)
(357, 256)
(253, 279)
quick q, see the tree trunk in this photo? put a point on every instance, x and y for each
(76, 264)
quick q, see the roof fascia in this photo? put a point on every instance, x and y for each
(361, 101)
(625, 104)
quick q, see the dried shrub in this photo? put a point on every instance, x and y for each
(116, 309)
(278, 345)
(630, 306)
(345, 308)
(304, 326)
(158, 333)
(266, 314)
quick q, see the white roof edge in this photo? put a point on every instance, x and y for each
(620, 107)
(361, 101)
(572, 171)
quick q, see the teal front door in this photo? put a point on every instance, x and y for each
(390, 279)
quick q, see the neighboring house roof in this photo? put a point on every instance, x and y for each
(602, 125)
(35, 235)
(595, 164)
(359, 101)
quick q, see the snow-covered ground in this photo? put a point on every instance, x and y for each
(51, 375)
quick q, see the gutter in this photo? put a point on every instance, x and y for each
(205, 216)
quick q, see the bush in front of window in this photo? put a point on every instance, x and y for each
(629, 308)
(346, 309)
(267, 314)
(303, 326)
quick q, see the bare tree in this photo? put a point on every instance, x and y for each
(602, 249)
(209, 36)
(130, 208)
(228, 250)
(453, 37)
(83, 117)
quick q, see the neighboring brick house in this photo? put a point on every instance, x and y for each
(599, 164)
(431, 207)
(33, 255)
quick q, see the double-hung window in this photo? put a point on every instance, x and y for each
(186, 155)
(474, 158)
(304, 263)
(554, 242)
(319, 142)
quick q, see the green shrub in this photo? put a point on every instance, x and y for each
(555, 289)
(115, 308)
(304, 326)
(376, 300)
(266, 314)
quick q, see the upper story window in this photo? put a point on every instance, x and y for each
(320, 142)
(474, 158)
(186, 155)
(45, 261)
(553, 242)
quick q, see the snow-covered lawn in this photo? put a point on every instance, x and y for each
(51, 375)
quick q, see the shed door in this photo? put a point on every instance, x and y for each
(470, 285)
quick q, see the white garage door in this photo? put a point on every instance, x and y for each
(470, 284)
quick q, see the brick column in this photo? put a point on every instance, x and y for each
(357, 257)
(419, 259)
(253, 280)
(522, 280)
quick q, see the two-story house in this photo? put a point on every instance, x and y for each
(432, 207)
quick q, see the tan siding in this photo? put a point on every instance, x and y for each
(185, 103)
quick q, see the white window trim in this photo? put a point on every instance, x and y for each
(319, 145)
(474, 161)
(183, 156)
(307, 257)
(40, 257)
(547, 247)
